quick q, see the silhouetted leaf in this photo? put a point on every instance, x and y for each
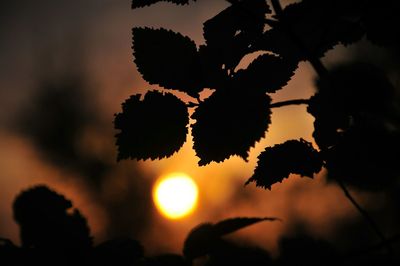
(310, 28)
(267, 72)
(168, 59)
(46, 221)
(153, 128)
(199, 240)
(231, 225)
(230, 33)
(277, 162)
(205, 238)
(142, 3)
(229, 122)
(214, 71)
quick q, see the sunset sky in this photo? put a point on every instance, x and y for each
(89, 43)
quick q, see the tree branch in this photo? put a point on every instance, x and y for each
(289, 102)
(271, 22)
(276, 5)
(366, 216)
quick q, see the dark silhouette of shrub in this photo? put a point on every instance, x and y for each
(46, 221)
(53, 233)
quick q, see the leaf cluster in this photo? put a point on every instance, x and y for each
(356, 118)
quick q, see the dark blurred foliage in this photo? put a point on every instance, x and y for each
(50, 231)
(120, 251)
(47, 221)
(54, 233)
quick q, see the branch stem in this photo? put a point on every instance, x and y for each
(276, 5)
(290, 102)
(366, 216)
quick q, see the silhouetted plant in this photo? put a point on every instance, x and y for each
(356, 128)
(352, 101)
(356, 123)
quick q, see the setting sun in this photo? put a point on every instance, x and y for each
(175, 195)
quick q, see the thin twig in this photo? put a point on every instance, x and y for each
(191, 104)
(366, 216)
(271, 22)
(289, 102)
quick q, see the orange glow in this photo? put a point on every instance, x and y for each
(175, 195)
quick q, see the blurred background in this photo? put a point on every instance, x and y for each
(65, 69)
